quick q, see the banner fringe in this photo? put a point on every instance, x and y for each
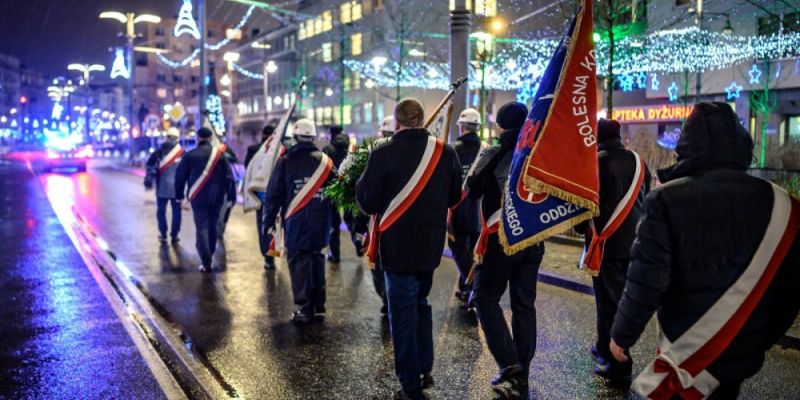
(510, 250)
(536, 186)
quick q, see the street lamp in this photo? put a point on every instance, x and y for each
(130, 19)
(86, 70)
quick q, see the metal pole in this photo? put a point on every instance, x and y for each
(342, 47)
(699, 74)
(131, 35)
(459, 54)
(201, 25)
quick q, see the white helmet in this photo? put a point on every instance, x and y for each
(173, 132)
(469, 116)
(304, 130)
(387, 125)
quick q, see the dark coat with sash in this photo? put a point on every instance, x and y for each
(165, 180)
(466, 216)
(697, 236)
(309, 228)
(220, 181)
(415, 242)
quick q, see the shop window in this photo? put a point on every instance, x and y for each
(793, 133)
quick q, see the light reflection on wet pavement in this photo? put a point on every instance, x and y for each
(238, 317)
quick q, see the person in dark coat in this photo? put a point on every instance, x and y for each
(513, 353)
(161, 168)
(411, 248)
(337, 150)
(264, 237)
(616, 166)
(207, 203)
(227, 206)
(465, 223)
(699, 232)
(307, 231)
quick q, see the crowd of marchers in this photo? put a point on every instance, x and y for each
(710, 249)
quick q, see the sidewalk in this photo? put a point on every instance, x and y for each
(60, 337)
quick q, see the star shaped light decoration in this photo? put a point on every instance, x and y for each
(641, 80)
(626, 82)
(654, 83)
(672, 91)
(755, 74)
(732, 91)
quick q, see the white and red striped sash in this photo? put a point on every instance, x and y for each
(311, 187)
(407, 196)
(201, 181)
(680, 367)
(594, 254)
(174, 154)
(488, 227)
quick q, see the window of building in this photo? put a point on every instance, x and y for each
(487, 8)
(347, 114)
(356, 81)
(309, 28)
(378, 4)
(357, 114)
(345, 15)
(159, 31)
(269, 104)
(327, 20)
(327, 52)
(793, 133)
(177, 78)
(327, 115)
(319, 116)
(194, 93)
(368, 112)
(161, 78)
(301, 31)
(141, 60)
(681, 3)
(194, 79)
(356, 12)
(318, 25)
(161, 93)
(177, 92)
(380, 112)
(160, 45)
(367, 7)
(355, 44)
(210, 33)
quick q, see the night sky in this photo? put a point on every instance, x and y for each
(46, 35)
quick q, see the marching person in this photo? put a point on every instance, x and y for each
(295, 190)
(494, 270)
(161, 167)
(716, 254)
(264, 237)
(624, 181)
(409, 183)
(227, 205)
(387, 127)
(208, 176)
(465, 224)
(337, 150)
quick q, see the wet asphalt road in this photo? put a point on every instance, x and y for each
(238, 317)
(59, 337)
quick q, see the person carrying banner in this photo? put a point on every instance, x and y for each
(208, 176)
(495, 270)
(409, 183)
(716, 255)
(337, 150)
(295, 190)
(263, 237)
(161, 167)
(465, 224)
(624, 181)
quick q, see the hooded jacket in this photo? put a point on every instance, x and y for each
(415, 242)
(337, 149)
(309, 228)
(466, 216)
(698, 234)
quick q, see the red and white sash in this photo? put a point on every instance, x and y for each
(488, 227)
(680, 367)
(310, 189)
(594, 254)
(407, 196)
(170, 158)
(216, 153)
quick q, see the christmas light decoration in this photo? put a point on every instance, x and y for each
(245, 72)
(119, 68)
(755, 75)
(626, 82)
(672, 91)
(732, 91)
(214, 107)
(186, 23)
(654, 83)
(641, 80)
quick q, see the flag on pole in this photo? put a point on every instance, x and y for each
(553, 180)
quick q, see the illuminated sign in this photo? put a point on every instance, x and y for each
(647, 114)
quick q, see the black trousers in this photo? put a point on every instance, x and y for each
(205, 223)
(357, 225)
(161, 216)
(462, 248)
(335, 244)
(307, 271)
(264, 238)
(520, 273)
(608, 287)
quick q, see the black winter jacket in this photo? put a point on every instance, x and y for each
(219, 184)
(415, 242)
(698, 234)
(309, 228)
(466, 217)
(616, 168)
(337, 149)
(251, 152)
